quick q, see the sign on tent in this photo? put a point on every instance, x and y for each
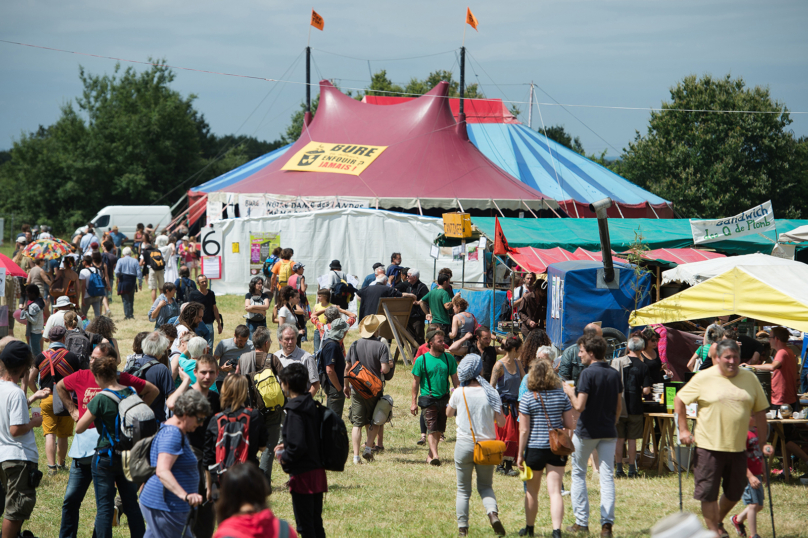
(758, 220)
(350, 159)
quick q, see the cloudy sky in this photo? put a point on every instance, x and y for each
(609, 53)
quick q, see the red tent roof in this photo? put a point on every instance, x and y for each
(476, 110)
(681, 255)
(429, 161)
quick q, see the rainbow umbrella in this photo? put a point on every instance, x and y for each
(47, 249)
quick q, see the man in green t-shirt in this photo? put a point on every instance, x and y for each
(437, 304)
(430, 389)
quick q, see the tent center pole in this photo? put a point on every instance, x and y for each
(307, 115)
(462, 75)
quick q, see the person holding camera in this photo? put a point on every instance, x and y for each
(19, 456)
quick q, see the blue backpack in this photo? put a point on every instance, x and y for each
(95, 284)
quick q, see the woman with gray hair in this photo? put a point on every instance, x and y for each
(478, 408)
(170, 494)
(704, 355)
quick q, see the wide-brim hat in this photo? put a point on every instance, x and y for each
(63, 301)
(335, 264)
(370, 324)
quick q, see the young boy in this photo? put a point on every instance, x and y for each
(753, 494)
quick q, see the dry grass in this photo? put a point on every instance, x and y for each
(399, 495)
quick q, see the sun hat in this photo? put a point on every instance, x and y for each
(370, 324)
(335, 264)
(63, 301)
(185, 238)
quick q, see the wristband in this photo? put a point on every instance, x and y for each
(186, 497)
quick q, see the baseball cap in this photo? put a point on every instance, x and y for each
(297, 266)
(377, 265)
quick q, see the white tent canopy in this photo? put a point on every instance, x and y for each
(693, 273)
(358, 238)
(797, 235)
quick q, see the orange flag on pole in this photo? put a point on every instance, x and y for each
(501, 247)
(316, 20)
(470, 19)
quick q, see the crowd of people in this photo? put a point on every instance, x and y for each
(198, 409)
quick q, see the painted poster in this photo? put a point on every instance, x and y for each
(261, 246)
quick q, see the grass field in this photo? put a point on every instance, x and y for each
(399, 495)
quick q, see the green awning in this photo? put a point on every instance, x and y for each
(570, 234)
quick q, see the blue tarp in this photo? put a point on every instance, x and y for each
(574, 299)
(480, 305)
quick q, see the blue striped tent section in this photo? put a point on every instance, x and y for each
(242, 172)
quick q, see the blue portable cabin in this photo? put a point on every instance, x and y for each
(577, 295)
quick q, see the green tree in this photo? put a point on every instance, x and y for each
(714, 164)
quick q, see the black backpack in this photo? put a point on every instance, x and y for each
(334, 442)
(154, 259)
(78, 343)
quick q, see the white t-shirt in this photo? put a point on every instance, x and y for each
(57, 318)
(14, 412)
(518, 292)
(482, 414)
(181, 329)
(287, 315)
(85, 275)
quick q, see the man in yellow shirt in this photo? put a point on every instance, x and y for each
(727, 397)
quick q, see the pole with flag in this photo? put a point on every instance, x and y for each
(471, 20)
(318, 22)
(501, 247)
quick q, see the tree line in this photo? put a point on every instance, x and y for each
(131, 139)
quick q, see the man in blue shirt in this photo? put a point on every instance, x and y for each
(394, 269)
(88, 237)
(126, 271)
(117, 237)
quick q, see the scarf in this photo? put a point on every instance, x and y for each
(469, 370)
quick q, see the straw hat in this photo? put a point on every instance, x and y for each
(370, 324)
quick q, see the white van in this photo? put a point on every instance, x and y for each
(127, 217)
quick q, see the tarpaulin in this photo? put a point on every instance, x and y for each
(537, 260)
(480, 305)
(774, 294)
(681, 255)
(575, 298)
(570, 234)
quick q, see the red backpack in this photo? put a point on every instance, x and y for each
(232, 442)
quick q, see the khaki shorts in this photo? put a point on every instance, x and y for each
(156, 279)
(362, 409)
(20, 494)
(62, 427)
(630, 427)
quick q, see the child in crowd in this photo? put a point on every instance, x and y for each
(753, 494)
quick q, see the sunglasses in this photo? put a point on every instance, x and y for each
(200, 420)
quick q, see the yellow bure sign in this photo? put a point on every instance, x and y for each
(457, 225)
(335, 158)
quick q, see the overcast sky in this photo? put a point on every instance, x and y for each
(590, 52)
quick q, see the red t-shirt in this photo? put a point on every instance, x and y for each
(784, 379)
(84, 385)
(754, 457)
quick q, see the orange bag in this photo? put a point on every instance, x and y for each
(364, 382)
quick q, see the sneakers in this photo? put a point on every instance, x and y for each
(52, 470)
(496, 524)
(527, 531)
(62, 467)
(357, 460)
(578, 529)
(619, 472)
(463, 531)
(565, 492)
(633, 474)
(368, 454)
(421, 441)
(556, 533)
(606, 530)
(740, 528)
(378, 449)
(722, 532)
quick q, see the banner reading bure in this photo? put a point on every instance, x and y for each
(350, 159)
(759, 219)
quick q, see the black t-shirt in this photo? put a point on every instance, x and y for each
(749, 346)
(417, 314)
(635, 378)
(603, 385)
(256, 300)
(331, 355)
(370, 298)
(61, 367)
(197, 437)
(208, 301)
(489, 357)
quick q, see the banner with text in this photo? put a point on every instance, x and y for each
(252, 206)
(336, 158)
(277, 206)
(261, 246)
(758, 220)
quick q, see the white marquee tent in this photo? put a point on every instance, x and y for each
(693, 273)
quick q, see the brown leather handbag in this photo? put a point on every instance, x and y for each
(560, 442)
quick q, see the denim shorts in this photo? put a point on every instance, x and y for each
(754, 495)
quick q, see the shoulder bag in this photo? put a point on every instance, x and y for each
(560, 442)
(485, 452)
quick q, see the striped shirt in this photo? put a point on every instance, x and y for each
(556, 403)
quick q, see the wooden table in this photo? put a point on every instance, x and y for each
(667, 434)
(778, 433)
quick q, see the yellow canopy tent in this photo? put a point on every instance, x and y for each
(775, 294)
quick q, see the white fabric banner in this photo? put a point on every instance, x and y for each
(758, 220)
(252, 206)
(280, 206)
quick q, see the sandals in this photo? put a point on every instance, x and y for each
(435, 462)
(421, 441)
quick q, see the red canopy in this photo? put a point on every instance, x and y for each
(12, 269)
(476, 110)
(681, 255)
(429, 161)
(536, 260)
